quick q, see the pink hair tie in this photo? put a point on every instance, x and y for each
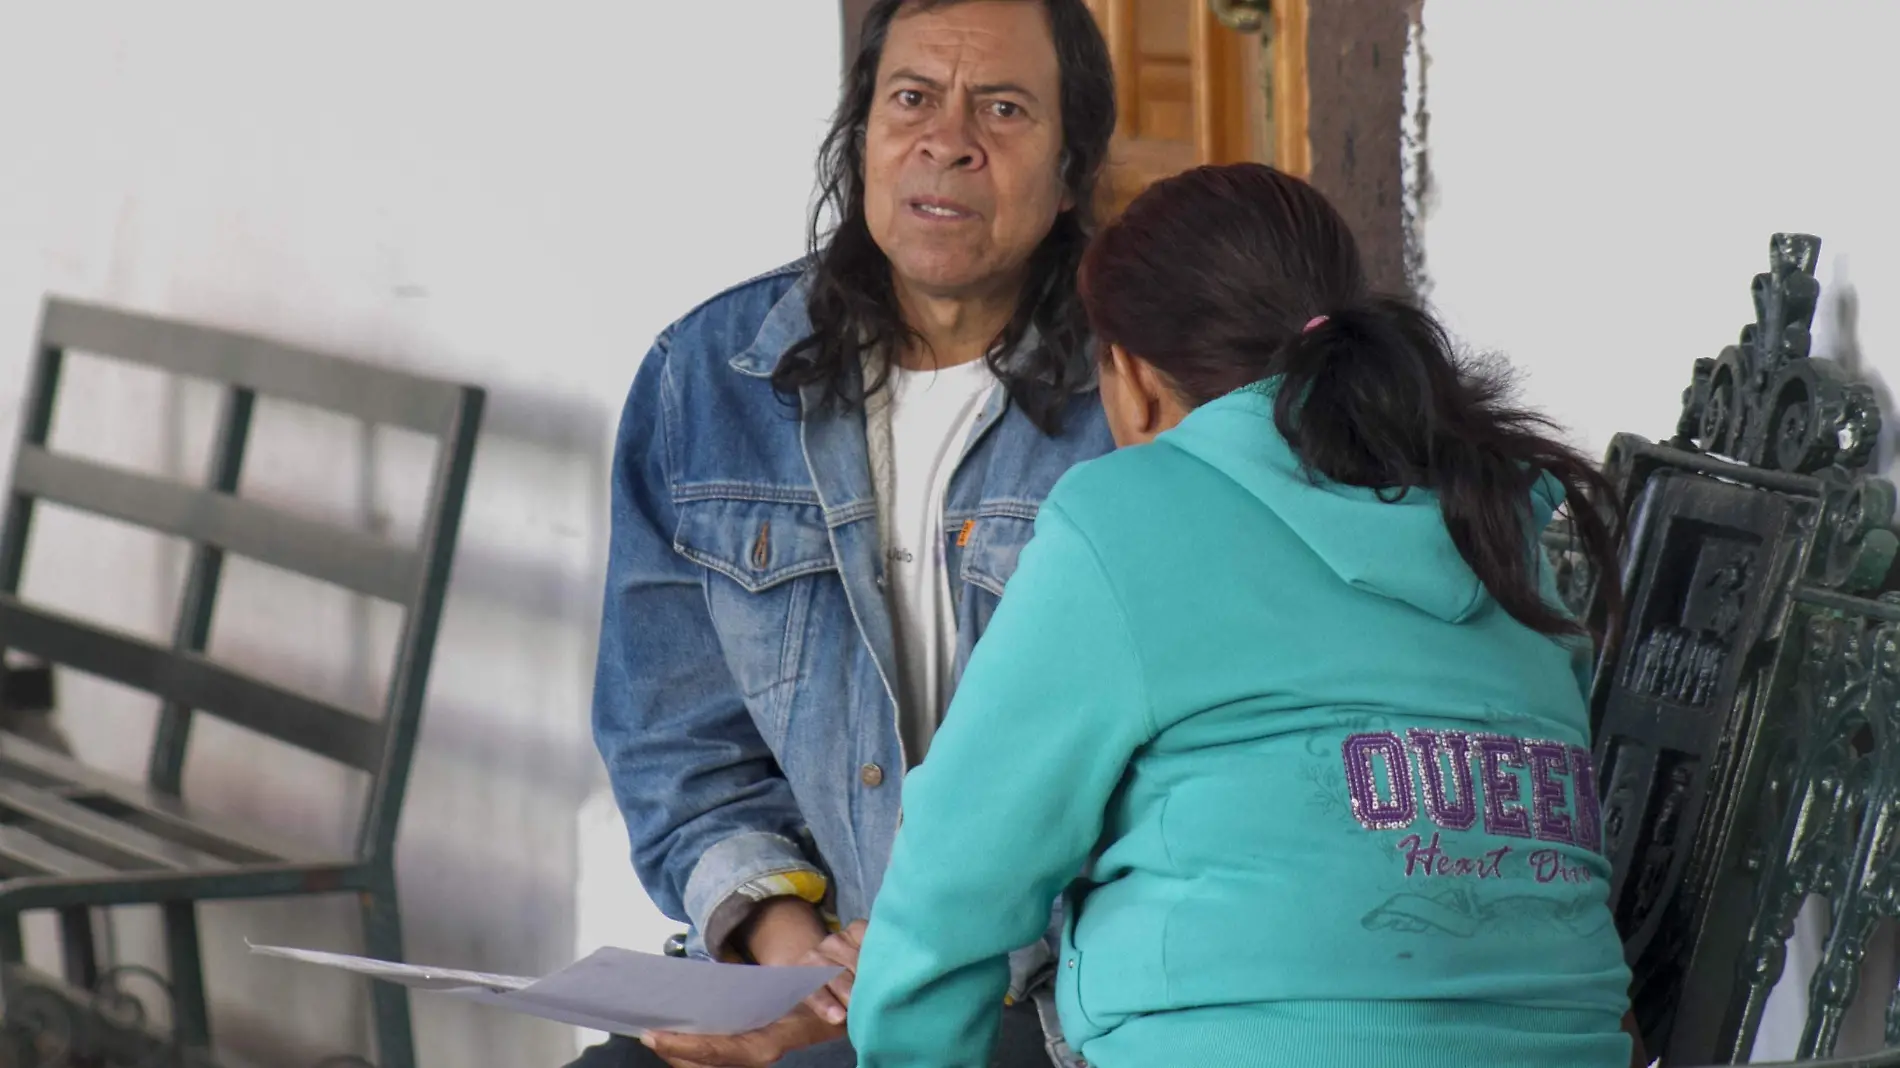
(1313, 323)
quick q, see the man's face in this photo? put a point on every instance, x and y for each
(962, 150)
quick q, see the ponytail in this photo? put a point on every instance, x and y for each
(1223, 276)
(1374, 396)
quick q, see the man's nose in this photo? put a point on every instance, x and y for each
(950, 139)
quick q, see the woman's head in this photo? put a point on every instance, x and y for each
(1222, 277)
(1204, 278)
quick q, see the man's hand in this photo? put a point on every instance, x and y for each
(754, 1049)
(820, 1018)
(781, 930)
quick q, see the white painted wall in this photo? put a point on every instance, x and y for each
(1607, 176)
(510, 195)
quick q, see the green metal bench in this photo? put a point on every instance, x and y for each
(1748, 724)
(73, 840)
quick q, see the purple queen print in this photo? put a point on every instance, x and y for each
(1521, 788)
(1360, 752)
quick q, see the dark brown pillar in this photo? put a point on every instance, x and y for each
(1355, 61)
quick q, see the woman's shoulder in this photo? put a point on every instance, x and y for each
(1130, 489)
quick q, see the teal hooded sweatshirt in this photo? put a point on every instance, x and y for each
(1312, 797)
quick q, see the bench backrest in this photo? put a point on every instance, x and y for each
(1747, 725)
(215, 520)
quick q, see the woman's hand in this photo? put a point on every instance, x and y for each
(833, 999)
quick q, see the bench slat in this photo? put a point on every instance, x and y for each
(377, 394)
(43, 857)
(17, 754)
(322, 551)
(193, 681)
(76, 821)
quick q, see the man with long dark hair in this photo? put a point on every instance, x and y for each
(822, 480)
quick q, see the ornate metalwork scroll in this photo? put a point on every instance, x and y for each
(49, 1025)
(53, 1026)
(1763, 402)
(1748, 726)
(1829, 767)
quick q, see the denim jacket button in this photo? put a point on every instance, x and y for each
(871, 775)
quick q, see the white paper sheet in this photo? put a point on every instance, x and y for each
(613, 990)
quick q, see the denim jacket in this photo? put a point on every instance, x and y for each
(743, 699)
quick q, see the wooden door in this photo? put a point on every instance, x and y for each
(1193, 86)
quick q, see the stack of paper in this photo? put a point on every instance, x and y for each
(613, 990)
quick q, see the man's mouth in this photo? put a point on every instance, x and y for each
(941, 209)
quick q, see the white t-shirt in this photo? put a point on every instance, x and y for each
(917, 428)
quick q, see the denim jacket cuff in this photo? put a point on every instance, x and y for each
(736, 874)
(1030, 968)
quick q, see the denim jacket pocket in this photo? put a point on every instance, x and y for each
(996, 540)
(762, 559)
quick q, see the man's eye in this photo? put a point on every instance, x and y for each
(910, 98)
(1005, 109)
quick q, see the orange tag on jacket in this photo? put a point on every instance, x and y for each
(963, 536)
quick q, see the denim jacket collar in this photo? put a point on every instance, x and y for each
(836, 455)
(788, 323)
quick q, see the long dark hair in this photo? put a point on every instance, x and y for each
(1212, 276)
(853, 305)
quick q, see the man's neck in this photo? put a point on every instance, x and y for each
(956, 330)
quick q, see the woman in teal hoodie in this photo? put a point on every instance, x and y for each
(1279, 700)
